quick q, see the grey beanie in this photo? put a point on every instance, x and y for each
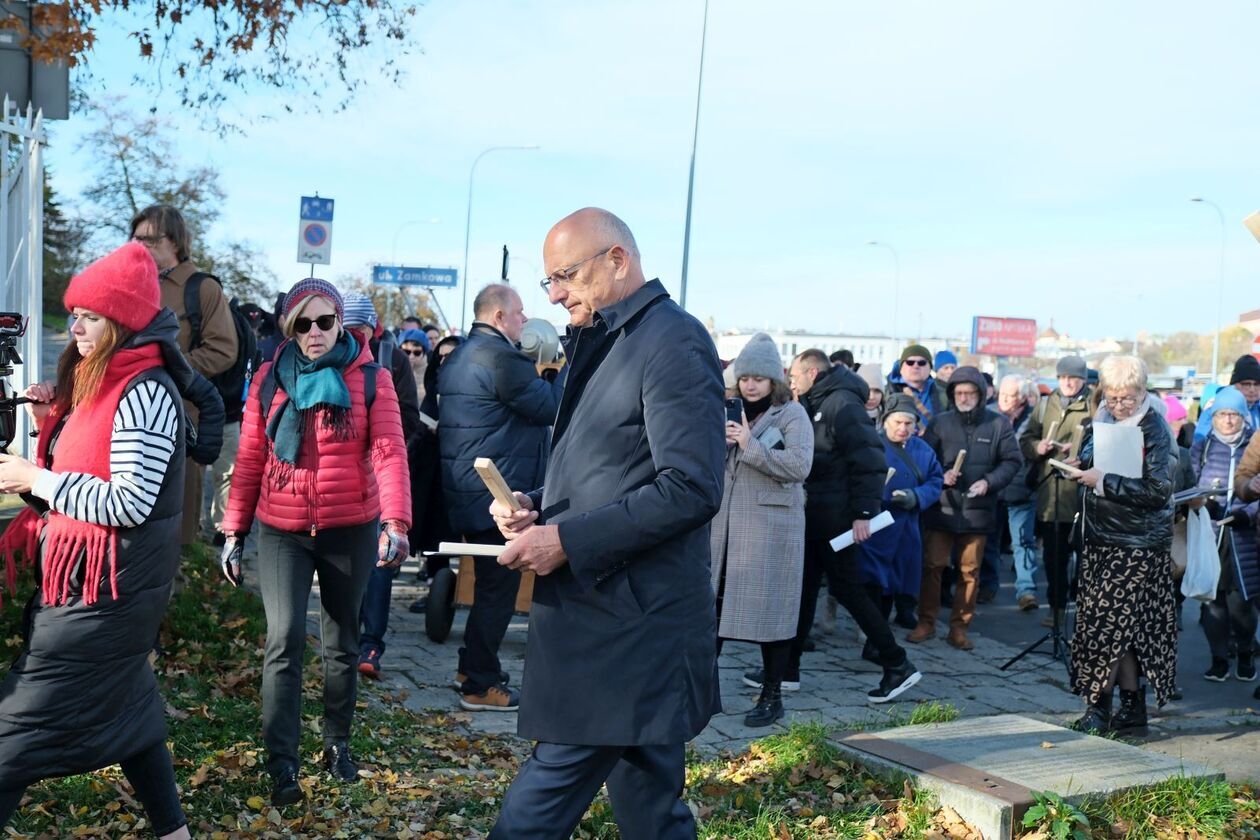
(900, 404)
(760, 357)
(1071, 366)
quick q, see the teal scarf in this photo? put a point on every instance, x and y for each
(316, 387)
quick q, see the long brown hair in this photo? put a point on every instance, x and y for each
(79, 377)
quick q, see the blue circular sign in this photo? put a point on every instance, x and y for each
(315, 234)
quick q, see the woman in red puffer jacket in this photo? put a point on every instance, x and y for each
(326, 475)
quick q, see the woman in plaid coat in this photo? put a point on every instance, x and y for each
(758, 536)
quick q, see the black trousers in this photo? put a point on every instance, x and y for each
(1056, 543)
(1229, 621)
(494, 599)
(287, 564)
(846, 587)
(152, 776)
(556, 784)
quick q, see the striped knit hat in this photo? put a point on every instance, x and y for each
(359, 310)
(303, 289)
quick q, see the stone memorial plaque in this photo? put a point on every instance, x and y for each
(987, 768)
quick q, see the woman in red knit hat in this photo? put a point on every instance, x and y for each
(103, 528)
(323, 467)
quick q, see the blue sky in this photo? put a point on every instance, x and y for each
(1025, 160)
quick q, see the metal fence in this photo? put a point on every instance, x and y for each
(22, 243)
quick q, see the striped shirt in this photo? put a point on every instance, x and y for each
(140, 450)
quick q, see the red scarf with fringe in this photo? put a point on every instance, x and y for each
(83, 446)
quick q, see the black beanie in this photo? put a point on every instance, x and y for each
(1246, 369)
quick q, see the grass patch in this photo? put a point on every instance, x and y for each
(429, 776)
(933, 711)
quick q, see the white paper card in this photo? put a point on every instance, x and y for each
(879, 523)
(455, 549)
(1118, 449)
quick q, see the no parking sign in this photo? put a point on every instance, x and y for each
(315, 230)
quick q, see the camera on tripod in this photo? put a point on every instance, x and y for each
(12, 327)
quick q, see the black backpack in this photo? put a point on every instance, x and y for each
(233, 383)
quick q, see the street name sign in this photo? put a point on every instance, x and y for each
(401, 275)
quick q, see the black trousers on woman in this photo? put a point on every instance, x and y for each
(287, 564)
(152, 776)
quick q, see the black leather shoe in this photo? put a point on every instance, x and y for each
(284, 786)
(1097, 718)
(769, 708)
(337, 761)
(1130, 718)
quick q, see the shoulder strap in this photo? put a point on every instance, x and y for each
(369, 383)
(267, 391)
(905, 456)
(192, 307)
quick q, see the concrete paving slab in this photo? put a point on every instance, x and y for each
(987, 768)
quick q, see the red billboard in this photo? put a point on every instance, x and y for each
(1003, 336)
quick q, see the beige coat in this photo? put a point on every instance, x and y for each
(758, 536)
(217, 350)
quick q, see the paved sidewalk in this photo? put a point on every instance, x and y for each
(834, 679)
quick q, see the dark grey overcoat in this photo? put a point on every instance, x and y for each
(621, 646)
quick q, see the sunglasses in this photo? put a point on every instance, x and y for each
(915, 362)
(324, 322)
(414, 352)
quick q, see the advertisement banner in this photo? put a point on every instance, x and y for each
(1003, 336)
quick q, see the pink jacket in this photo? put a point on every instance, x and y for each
(335, 482)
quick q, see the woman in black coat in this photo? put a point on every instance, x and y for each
(103, 527)
(1126, 623)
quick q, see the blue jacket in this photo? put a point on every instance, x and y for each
(492, 405)
(893, 557)
(621, 637)
(1210, 460)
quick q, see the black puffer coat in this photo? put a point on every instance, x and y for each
(82, 694)
(1134, 512)
(992, 455)
(493, 405)
(846, 481)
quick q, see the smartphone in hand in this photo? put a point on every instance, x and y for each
(735, 410)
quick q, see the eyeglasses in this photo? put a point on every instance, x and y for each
(150, 241)
(324, 322)
(414, 352)
(916, 362)
(561, 276)
(1127, 402)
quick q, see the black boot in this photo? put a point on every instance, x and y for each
(769, 707)
(1097, 718)
(1130, 718)
(338, 762)
(284, 785)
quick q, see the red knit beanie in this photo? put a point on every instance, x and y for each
(122, 286)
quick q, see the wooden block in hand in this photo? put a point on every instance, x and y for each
(960, 460)
(495, 484)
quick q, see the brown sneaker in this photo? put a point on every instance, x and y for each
(461, 678)
(922, 633)
(1028, 602)
(958, 638)
(495, 699)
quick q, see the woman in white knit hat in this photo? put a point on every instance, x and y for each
(758, 536)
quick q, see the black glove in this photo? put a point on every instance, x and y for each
(230, 560)
(904, 500)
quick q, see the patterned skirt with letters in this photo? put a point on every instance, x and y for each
(1125, 603)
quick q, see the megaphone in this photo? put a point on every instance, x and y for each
(540, 341)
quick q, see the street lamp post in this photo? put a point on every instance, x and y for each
(463, 315)
(691, 175)
(1220, 292)
(896, 279)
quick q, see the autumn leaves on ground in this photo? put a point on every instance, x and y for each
(424, 775)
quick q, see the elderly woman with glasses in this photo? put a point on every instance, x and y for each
(323, 467)
(1126, 623)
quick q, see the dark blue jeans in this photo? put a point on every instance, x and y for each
(374, 614)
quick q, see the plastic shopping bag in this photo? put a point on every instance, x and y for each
(1203, 563)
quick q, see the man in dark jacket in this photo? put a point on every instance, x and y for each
(493, 405)
(913, 377)
(967, 510)
(620, 670)
(843, 492)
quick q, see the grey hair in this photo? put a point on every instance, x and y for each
(491, 299)
(1128, 372)
(1027, 388)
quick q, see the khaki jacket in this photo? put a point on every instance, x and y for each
(1247, 469)
(217, 350)
(1044, 414)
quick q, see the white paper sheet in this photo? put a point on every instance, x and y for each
(879, 523)
(455, 549)
(1118, 449)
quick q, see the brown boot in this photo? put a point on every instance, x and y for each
(958, 638)
(922, 633)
